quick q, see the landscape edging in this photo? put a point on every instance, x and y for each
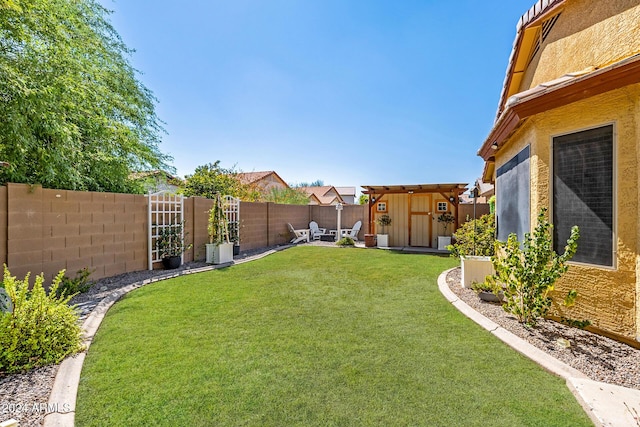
(65, 386)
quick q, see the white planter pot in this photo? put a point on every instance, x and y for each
(219, 254)
(383, 240)
(443, 242)
(475, 269)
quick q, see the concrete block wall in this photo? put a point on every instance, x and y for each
(50, 230)
(466, 211)
(3, 225)
(254, 232)
(279, 215)
(327, 217)
(45, 230)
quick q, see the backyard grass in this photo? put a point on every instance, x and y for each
(311, 336)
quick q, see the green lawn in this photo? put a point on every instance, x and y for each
(311, 336)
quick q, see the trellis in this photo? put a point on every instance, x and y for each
(231, 209)
(165, 209)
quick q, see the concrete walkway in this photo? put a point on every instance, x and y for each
(606, 404)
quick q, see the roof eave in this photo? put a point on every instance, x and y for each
(615, 76)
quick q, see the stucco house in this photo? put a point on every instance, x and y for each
(326, 195)
(566, 138)
(348, 194)
(157, 180)
(263, 181)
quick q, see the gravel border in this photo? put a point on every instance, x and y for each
(598, 357)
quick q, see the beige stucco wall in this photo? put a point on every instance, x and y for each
(608, 296)
(588, 33)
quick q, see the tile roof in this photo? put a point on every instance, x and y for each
(251, 177)
(321, 194)
(540, 10)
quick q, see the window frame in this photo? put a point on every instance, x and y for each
(381, 206)
(446, 206)
(614, 190)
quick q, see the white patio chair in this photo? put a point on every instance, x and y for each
(299, 235)
(316, 231)
(353, 232)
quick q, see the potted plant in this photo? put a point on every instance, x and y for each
(219, 250)
(445, 240)
(171, 245)
(383, 239)
(489, 290)
(474, 245)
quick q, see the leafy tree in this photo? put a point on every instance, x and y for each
(73, 114)
(286, 196)
(211, 179)
(363, 199)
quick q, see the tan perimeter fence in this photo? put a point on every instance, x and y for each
(45, 230)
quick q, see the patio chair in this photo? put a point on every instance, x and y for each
(298, 235)
(353, 232)
(315, 231)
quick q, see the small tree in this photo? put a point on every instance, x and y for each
(211, 179)
(529, 273)
(286, 196)
(475, 237)
(384, 221)
(218, 226)
(446, 219)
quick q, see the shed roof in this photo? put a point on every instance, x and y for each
(415, 188)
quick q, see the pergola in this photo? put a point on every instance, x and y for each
(376, 193)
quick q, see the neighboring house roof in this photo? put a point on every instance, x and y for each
(346, 191)
(326, 194)
(256, 177)
(485, 189)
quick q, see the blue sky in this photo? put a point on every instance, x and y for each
(350, 92)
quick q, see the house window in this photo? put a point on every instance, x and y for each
(381, 207)
(583, 193)
(512, 196)
(442, 206)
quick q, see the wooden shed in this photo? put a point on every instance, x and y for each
(414, 211)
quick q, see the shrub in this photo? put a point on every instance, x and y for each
(384, 221)
(74, 286)
(475, 237)
(41, 329)
(528, 274)
(346, 241)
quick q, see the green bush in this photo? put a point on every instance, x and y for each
(346, 241)
(74, 286)
(475, 237)
(41, 329)
(529, 273)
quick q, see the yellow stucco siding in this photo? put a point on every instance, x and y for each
(608, 296)
(587, 34)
